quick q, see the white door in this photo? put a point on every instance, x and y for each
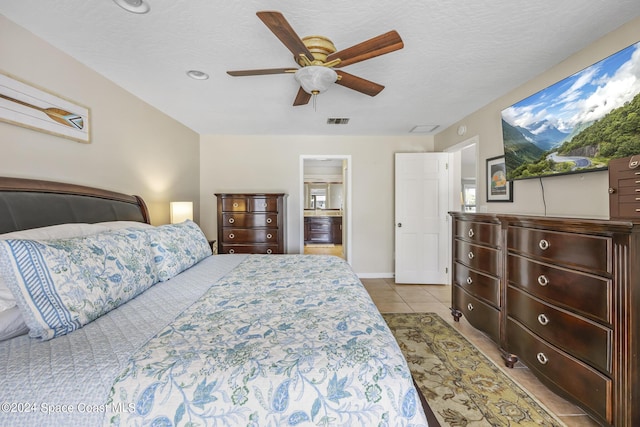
(422, 226)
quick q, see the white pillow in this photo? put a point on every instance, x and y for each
(119, 225)
(12, 324)
(60, 231)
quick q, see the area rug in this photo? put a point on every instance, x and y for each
(462, 386)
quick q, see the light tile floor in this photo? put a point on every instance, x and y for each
(392, 298)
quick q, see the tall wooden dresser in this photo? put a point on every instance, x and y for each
(251, 223)
(624, 188)
(571, 308)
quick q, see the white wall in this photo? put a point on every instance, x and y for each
(583, 195)
(135, 149)
(272, 164)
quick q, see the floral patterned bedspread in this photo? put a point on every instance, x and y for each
(288, 340)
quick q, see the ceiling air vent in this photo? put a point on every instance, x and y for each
(337, 121)
(424, 128)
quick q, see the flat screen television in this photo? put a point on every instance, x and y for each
(577, 124)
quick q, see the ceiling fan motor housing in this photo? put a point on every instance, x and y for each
(320, 47)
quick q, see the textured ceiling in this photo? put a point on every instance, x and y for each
(457, 57)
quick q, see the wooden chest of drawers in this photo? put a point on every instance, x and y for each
(251, 223)
(624, 188)
(477, 271)
(571, 308)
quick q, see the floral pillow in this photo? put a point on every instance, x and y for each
(62, 284)
(177, 247)
(60, 231)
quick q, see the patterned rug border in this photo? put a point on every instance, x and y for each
(460, 398)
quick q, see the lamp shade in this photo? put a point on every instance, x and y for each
(315, 79)
(180, 211)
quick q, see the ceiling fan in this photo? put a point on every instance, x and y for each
(319, 59)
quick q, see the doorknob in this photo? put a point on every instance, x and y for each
(399, 224)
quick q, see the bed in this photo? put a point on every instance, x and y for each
(119, 323)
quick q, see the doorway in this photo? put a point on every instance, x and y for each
(464, 175)
(325, 214)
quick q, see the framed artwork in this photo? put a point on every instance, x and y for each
(498, 188)
(25, 105)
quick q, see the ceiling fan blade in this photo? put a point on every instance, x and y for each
(285, 33)
(384, 43)
(302, 98)
(358, 83)
(239, 73)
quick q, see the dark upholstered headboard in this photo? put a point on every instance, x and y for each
(28, 203)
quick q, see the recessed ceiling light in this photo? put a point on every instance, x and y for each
(133, 6)
(198, 75)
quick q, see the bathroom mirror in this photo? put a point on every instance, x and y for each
(323, 195)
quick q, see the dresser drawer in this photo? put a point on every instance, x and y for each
(584, 293)
(560, 371)
(629, 210)
(250, 220)
(586, 340)
(478, 284)
(479, 314)
(247, 249)
(478, 257)
(629, 185)
(587, 252)
(235, 204)
(480, 232)
(248, 235)
(263, 204)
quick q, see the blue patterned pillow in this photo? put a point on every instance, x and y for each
(61, 285)
(177, 247)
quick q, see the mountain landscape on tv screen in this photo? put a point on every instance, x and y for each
(579, 123)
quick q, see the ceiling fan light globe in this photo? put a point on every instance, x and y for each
(315, 79)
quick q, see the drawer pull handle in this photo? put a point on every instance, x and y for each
(231, 220)
(469, 280)
(264, 205)
(269, 251)
(544, 244)
(542, 280)
(542, 358)
(543, 319)
(235, 205)
(470, 233)
(470, 255)
(232, 251)
(232, 236)
(269, 220)
(269, 236)
(470, 307)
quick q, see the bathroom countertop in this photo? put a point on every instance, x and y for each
(322, 212)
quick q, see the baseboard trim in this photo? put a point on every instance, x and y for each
(376, 275)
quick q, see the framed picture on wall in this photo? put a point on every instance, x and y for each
(32, 107)
(498, 188)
